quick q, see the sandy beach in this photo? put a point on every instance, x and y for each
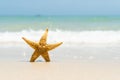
(59, 71)
(86, 62)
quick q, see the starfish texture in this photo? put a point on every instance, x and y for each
(41, 48)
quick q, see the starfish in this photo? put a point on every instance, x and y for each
(41, 47)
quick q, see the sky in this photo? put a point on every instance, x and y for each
(59, 7)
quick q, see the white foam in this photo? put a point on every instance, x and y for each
(68, 37)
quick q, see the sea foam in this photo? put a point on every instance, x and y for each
(68, 37)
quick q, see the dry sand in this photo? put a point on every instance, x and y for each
(59, 71)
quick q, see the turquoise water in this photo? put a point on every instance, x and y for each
(69, 23)
(69, 29)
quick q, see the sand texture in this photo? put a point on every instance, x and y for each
(59, 71)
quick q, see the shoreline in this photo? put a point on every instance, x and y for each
(82, 53)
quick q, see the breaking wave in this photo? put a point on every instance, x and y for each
(68, 37)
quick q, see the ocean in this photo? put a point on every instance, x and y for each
(69, 29)
(84, 37)
(65, 23)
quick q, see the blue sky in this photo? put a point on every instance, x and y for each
(59, 7)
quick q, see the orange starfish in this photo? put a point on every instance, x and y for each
(41, 48)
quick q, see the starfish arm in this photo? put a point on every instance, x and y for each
(53, 46)
(44, 37)
(45, 55)
(35, 55)
(30, 43)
